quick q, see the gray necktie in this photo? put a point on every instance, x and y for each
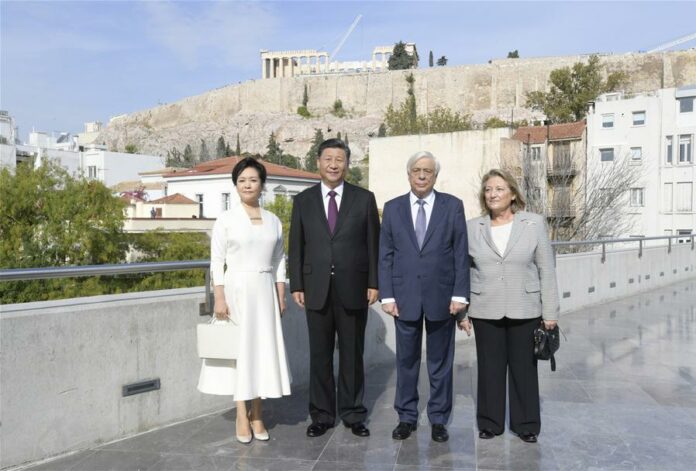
(420, 223)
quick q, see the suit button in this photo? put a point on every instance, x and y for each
(501, 278)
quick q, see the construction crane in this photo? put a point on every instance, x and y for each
(676, 42)
(345, 37)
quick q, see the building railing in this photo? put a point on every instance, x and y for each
(563, 169)
(561, 211)
(25, 274)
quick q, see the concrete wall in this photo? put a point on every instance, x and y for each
(63, 362)
(464, 157)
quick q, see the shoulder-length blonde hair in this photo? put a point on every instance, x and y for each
(518, 202)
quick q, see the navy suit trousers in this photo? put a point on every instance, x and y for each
(440, 356)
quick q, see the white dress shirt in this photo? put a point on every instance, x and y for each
(325, 197)
(428, 207)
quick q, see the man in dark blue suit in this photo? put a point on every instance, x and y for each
(424, 276)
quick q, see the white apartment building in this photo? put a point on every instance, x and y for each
(210, 184)
(655, 131)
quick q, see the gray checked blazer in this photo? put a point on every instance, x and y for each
(518, 284)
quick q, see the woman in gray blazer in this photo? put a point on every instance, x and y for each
(513, 289)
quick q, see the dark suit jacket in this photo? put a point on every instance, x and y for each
(352, 249)
(424, 280)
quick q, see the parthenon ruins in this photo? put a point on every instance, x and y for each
(275, 64)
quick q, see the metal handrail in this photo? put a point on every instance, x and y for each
(23, 274)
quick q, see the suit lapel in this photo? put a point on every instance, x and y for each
(405, 211)
(318, 200)
(436, 217)
(517, 230)
(347, 199)
(485, 228)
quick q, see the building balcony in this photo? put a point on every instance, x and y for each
(569, 211)
(561, 170)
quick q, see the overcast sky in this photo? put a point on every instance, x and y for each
(66, 63)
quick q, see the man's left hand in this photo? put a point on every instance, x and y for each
(548, 325)
(372, 295)
(455, 307)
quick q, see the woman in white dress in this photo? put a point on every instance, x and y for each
(248, 272)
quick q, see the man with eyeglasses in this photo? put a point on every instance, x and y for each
(423, 279)
(334, 239)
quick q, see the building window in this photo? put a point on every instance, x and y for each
(638, 118)
(535, 153)
(608, 121)
(636, 154)
(668, 232)
(685, 148)
(225, 201)
(92, 172)
(606, 155)
(684, 196)
(667, 197)
(536, 193)
(686, 105)
(638, 197)
(199, 198)
(669, 149)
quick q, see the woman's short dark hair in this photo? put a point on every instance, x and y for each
(245, 163)
(334, 144)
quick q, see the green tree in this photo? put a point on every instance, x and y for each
(513, 54)
(382, 131)
(174, 158)
(444, 120)
(401, 59)
(345, 139)
(337, 109)
(310, 161)
(221, 149)
(571, 88)
(188, 159)
(282, 207)
(203, 153)
(305, 96)
(338, 135)
(430, 59)
(494, 122)
(273, 151)
(49, 219)
(238, 149)
(442, 61)
(131, 148)
(354, 175)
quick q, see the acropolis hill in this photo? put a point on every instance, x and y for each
(256, 108)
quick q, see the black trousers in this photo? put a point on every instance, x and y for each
(505, 347)
(323, 326)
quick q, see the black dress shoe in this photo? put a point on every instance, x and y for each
(317, 429)
(358, 429)
(439, 433)
(486, 434)
(403, 430)
(528, 437)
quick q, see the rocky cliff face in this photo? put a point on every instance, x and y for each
(256, 108)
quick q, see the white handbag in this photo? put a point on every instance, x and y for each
(218, 339)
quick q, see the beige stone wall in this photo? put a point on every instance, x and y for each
(464, 157)
(257, 107)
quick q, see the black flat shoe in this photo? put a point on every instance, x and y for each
(486, 434)
(317, 429)
(528, 437)
(439, 433)
(358, 429)
(403, 430)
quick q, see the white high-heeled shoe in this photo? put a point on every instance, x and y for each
(263, 436)
(245, 439)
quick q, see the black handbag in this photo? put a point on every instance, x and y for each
(546, 343)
